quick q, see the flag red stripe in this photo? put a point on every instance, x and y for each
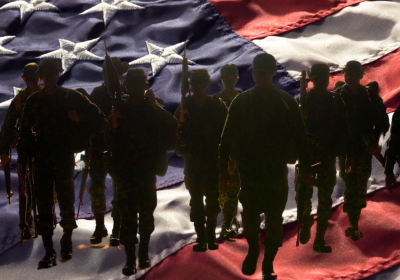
(349, 260)
(262, 18)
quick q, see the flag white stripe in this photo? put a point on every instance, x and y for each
(365, 32)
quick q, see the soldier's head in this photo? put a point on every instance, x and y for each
(49, 71)
(121, 67)
(353, 73)
(29, 74)
(264, 68)
(319, 75)
(136, 81)
(200, 81)
(229, 76)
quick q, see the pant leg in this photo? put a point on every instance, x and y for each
(194, 183)
(43, 192)
(307, 203)
(211, 189)
(232, 196)
(97, 183)
(65, 189)
(127, 204)
(115, 211)
(363, 173)
(147, 203)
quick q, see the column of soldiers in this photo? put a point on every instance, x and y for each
(240, 153)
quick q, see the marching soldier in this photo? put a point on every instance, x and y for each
(10, 134)
(228, 198)
(201, 121)
(139, 136)
(268, 122)
(368, 120)
(102, 98)
(326, 121)
(63, 121)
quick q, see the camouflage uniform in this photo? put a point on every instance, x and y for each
(229, 198)
(327, 121)
(368, 120)
(136, 144)
(47, 117)
(97, 171)
(393, 148)
(199, 138)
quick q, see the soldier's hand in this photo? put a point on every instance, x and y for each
(390, 182)
(231, 166)
(350, 166)
(73, 116)
(152, 99)
(4, 160)
(114, 117)
(224, 179)
(182, 114)
(306, 179)
(375, 149)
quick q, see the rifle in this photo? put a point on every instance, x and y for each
(7, 175)
(301, 196)
(85, 172)
(30, 176)
(113, 84)
(303, 96)
(22, 202)
(184, 89)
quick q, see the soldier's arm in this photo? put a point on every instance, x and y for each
(169, 124)
(90, 115)
(300, 136)
(382, 124)
(231, 128)
(27, 121)
(7, 130)
(393, 147)
(345, 126)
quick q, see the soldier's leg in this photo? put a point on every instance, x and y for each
(194, 181)
(43, 192)
(147, 203)
(249, 197)
(308, 220)
(127, 204)
(210, 183)
(28, 215)
(230, 207)
(97, 195)
(65, 189)
(115, 214)
(327, 182)
(274, 196)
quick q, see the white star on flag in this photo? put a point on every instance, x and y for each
(27, 7)
(111, 7)
(4, 40)
(5, 104)
(70, 53)
(159, 57)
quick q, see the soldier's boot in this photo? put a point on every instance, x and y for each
(144, 260)
(66, 245)
(114, 237)
(130, 266)
(353, 231)
(225, 228)
(49, 259)
(250, 262)
(210, 230)
(305, 232)
(201, 240)
(100, 230)
(319, 243)
(267, 264)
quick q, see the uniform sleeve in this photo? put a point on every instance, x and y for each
(230, 130)
(393, 148)
(382, 124)
(90, 115)
(345, 126)
(27, 121)
(7, 130)
(111, 137)
(300, 136)
(169, 126)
